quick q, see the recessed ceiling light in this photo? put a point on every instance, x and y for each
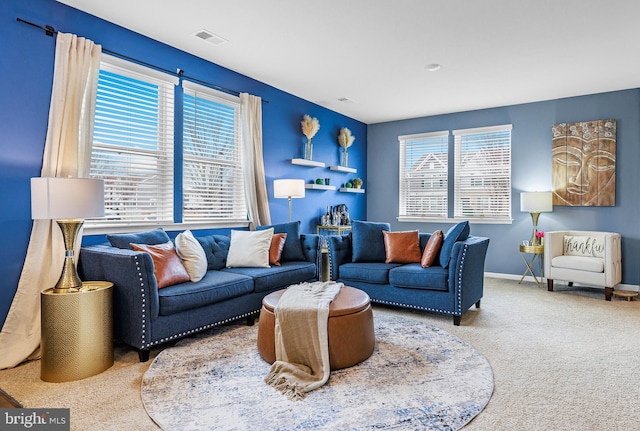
(210, 37)
(432, 67)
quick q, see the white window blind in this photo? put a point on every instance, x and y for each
(423, 175)
(482, 173)
(133, 143)
(213, 184)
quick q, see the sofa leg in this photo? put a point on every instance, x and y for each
(478, 304)
(456, 320)
(143, 355)
(549, 285)
(251, 320)
(608, 292)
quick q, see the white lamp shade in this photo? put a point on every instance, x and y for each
(536, 202)
(66, 198)
(288, 188)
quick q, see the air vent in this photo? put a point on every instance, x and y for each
(211, 37)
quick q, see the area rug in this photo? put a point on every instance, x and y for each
(419, 377)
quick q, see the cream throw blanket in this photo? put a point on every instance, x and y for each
(302, 346)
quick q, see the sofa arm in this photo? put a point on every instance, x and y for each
(339, 253)
(466, 271)
(135, 296)
(311, 249)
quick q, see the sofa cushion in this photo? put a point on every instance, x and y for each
(458, 232)
(368, 272)
(580, 263)
(292, 247)
(215, 286)
(249, 248)
(414, 276)
(167, 266)
(277, 245)
(401, 247)
(368, 243)
(216, 249)
(151, 237)
(432, 249)
(192, 255)
(288, 273)
(588, 246)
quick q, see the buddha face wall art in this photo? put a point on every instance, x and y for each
(584, 163)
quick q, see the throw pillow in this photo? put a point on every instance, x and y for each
(192, 255)
(590, 246)
(216, 249)
(401, 247)
(432, 249)
(292, 246)
(249, 248)
(458, 232)
(277, 245)
(368, 242)
(151, 237)
(167, 266)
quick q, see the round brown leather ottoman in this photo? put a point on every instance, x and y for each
(350, 328)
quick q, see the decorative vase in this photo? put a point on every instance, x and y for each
(308, 150)
(344, 159)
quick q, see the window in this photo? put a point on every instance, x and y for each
(481, 175)
(423, 174)
(133, 148)
(212, 176)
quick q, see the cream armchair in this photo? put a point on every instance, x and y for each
(586, 257)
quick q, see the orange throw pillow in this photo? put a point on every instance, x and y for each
(277, 245)
(402, 247)
(167, 266)
(432, 249)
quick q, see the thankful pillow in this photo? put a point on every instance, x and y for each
(402, 247)
(249, 248)
(192, 255)
(590, 246)
(432, 249)
(275, 250)
(167, 266)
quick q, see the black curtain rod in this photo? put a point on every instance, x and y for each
(50, 31)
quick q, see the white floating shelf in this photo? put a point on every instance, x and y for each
(319, 187)
(350, 190)
(343, 169)
(305, 162)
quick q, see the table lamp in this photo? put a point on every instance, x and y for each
(534, 203)
(68, 201)
(288, 189)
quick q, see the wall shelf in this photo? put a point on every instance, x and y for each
(319, 187)
(343, 169)
(350, 190)
(310, 163)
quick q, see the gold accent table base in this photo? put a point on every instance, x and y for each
(625, 294)
(537, 251)
(77, 332)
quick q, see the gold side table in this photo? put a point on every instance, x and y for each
(537, 252)
(337, 229)
(77, 332)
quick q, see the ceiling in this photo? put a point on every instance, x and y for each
(374, 52)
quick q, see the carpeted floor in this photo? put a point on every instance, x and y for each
(564, 360)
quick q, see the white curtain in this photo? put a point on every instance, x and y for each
(254, 180)
(67, 152)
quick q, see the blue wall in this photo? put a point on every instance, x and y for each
(26, 60)
(531, 170)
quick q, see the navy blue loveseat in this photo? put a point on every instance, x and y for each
(451, 286)
(145, 316)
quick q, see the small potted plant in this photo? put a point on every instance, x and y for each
(357, 183)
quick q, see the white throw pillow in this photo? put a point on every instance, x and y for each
(249, 248)
(192, 255)
(589, 246)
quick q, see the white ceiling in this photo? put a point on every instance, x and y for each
(374, 52)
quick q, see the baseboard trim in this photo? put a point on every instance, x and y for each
(621, 286)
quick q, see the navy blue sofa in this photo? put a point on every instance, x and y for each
(451, 286)
(145, 316)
